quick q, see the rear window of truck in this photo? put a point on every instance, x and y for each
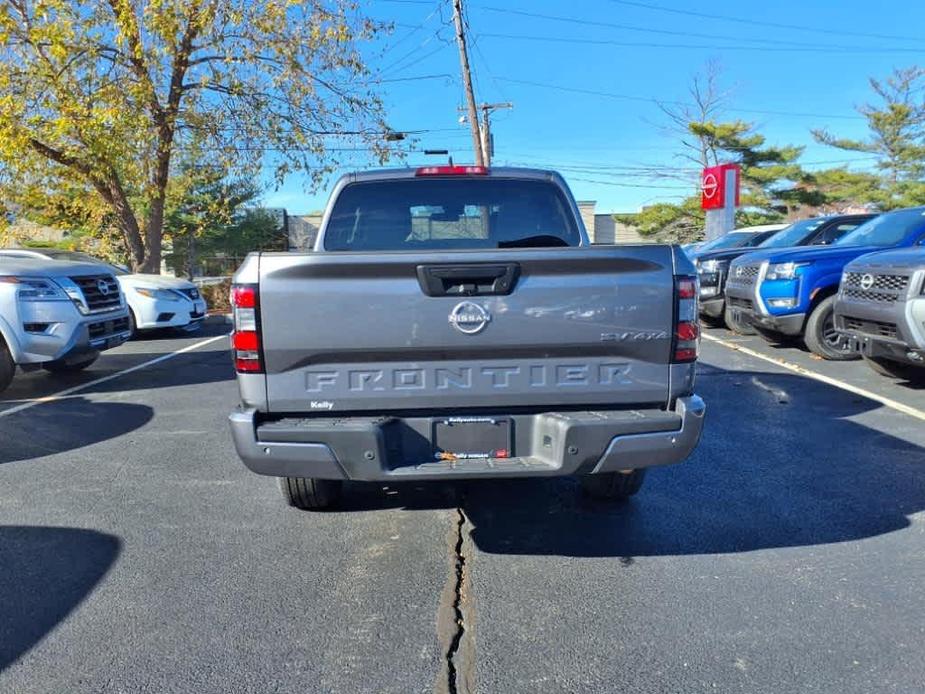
(450, 213)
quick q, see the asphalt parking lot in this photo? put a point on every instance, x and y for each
(138, 555)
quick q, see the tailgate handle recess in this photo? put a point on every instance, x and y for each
(468, 280)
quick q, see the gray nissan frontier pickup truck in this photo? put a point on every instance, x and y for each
(454, 322)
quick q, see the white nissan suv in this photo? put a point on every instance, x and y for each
(57, 316)
(154, 301)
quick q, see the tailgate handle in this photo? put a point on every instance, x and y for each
(468, 280)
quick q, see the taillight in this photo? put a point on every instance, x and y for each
(452, 170)
(687, 287)
(245, 340)
(686, 339)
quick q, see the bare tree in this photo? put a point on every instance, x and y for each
(707, 103)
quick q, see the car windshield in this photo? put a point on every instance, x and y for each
(450, 213)
(886, 230)
(793, 235)
(730, 240)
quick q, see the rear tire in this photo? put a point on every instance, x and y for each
(614, 486)
(821, 337)
(737, 326)
(310, 494)
(57, 367)
(7, 367)
(896, 369)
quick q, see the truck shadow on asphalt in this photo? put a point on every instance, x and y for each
(65, 425)
(200, 367)
(780, 464)
(45, 572)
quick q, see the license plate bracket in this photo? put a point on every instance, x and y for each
(465, 438)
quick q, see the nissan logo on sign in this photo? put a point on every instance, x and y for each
(710, 186)
(719, 186)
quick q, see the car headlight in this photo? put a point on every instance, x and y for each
(35, 289)
(784, 271)
(159, 294)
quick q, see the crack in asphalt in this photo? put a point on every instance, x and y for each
(453, 622)
(452, 672)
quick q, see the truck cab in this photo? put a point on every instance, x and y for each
(791, 292)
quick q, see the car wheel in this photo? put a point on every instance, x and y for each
(60, 367)
(615, 486)
(823, 339)
(896, 369)
(310, 494)
(739, 327)
(7, 367)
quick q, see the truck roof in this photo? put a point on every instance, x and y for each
(385, 174)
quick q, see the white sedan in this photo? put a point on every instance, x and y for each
(154, 301)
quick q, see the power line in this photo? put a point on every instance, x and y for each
(413, 31)
(416, 78)
(629, 185)
(652, 100)
(697, 46)
(776, 25)
(670, 32)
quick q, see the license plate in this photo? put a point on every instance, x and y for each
(465, 438)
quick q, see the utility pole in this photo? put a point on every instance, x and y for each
(467, 83)
(488, 146)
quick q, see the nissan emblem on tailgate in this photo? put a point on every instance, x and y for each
(469, 318)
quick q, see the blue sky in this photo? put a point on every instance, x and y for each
(785, 79)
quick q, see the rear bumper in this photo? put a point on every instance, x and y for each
(545, 444)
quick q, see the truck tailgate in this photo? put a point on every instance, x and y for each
(367, 332)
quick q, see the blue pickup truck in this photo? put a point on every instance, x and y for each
(791, 292)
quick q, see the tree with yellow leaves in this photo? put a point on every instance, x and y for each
(113, 93)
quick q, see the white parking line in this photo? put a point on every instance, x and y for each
(70, 391)
(796, 368)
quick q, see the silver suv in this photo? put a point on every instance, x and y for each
(56, 315)
(881, 305)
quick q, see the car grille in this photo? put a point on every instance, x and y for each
(108, 327)
(191, 293)
(744, 275)
(870, 327)
(101, 292)
(882, 288)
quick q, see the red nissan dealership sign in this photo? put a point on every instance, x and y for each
(714, 188)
